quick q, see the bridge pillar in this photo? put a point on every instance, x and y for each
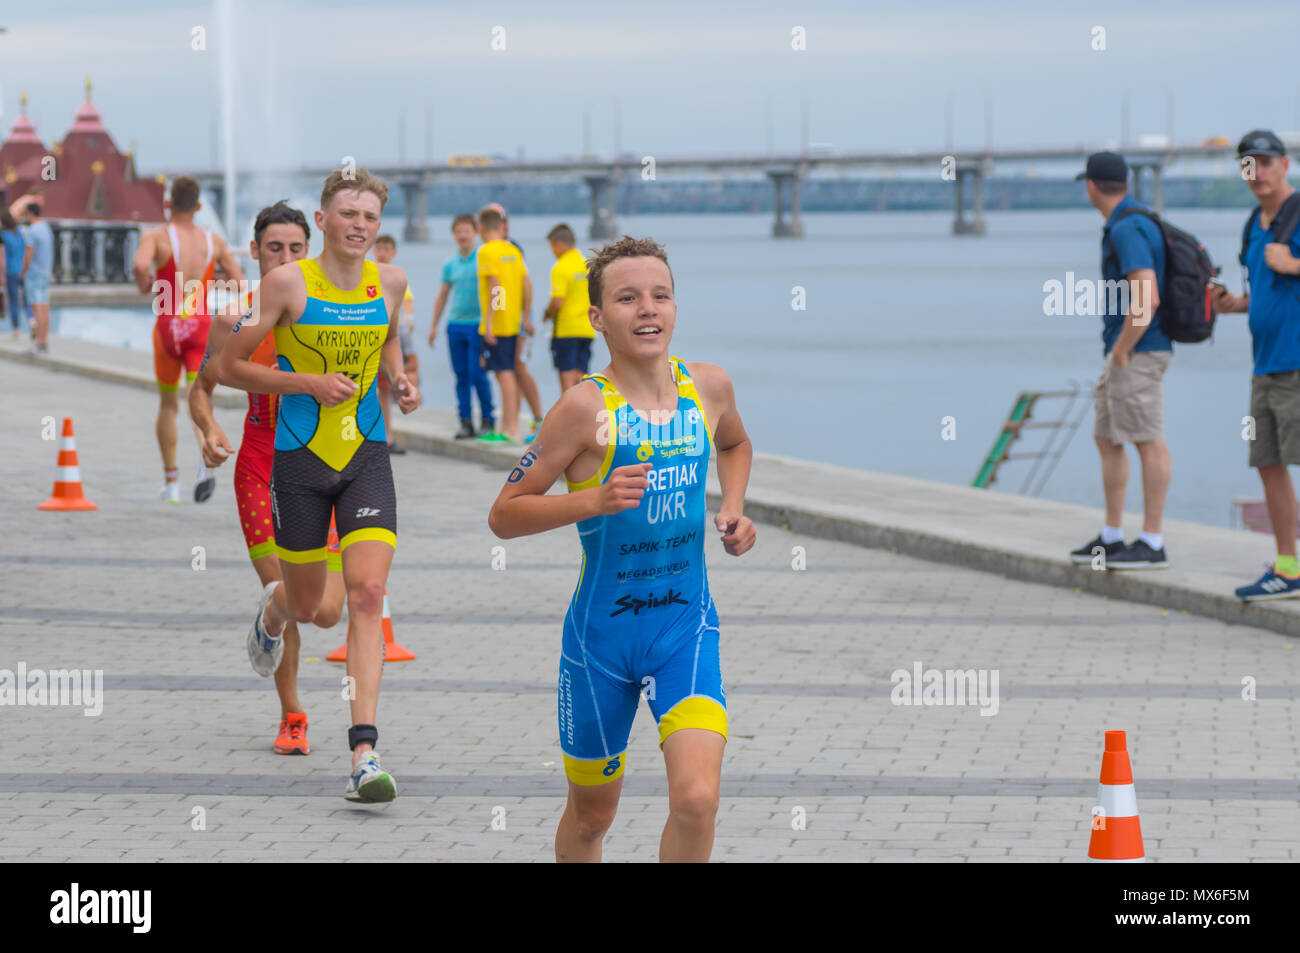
(416, 191)
(604, 222)
(216, 195)
(961, 225)
(781, 228)
(1157, 168)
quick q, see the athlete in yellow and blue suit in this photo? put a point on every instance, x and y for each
(641, 620)
(333, 458)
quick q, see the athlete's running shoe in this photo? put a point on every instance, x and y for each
(1084, 555)
(369, 783)
(1269, 586)
(466, 430)
(293, 734)
(171, 492)
(204, 483)
(495, 436)
(264, 652)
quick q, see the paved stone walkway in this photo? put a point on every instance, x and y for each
(820, 764)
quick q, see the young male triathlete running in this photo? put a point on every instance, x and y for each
(280, 235)
(335, 323)
(177, 265)
(641, 619)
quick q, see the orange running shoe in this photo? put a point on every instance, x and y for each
(293, 735)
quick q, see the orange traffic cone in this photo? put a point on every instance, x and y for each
(67, 493)
(1116, 833)
(393, 652)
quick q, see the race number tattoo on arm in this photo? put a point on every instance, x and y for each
(526, 461)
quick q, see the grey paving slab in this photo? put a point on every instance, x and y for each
(810, 658)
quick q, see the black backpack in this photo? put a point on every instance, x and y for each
(1186, 312)
(1283, 227)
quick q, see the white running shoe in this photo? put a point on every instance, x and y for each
(171, 492)
(264, 651)
(369, 783)
(204, 483)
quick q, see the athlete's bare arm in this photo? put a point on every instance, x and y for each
(735, 455)
(225, 259)
(280, 299)
(569, 440)
(393, 280)
(214, 445)
(145, 262)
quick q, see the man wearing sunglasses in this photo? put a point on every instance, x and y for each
(1271, 296)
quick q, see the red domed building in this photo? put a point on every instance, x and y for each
(87, 189)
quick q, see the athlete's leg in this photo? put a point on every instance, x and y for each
(687, 699)
(693, 757)
(299, 598)
(331, 604)
(588, 813)
(365, 573)
(509, 403)
(569, 379)
(165, 427)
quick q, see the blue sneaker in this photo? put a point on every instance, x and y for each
(1269, 586)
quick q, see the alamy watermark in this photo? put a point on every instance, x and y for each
(76, 688)
(1096, 298)
(932, 686)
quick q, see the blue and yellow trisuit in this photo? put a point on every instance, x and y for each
(333, 459)
(641, 621)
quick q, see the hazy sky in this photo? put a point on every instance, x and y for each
(317, 81)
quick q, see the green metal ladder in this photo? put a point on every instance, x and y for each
(1020, 420)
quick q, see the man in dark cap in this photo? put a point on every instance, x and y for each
(1129, 397)
(1271, 259)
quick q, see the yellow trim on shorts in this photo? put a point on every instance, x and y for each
(591, 773)
(261, 550)
(190, 376)
(370, 533)
(333, 562)
(299, 558)
(695, 711)
(168, 388)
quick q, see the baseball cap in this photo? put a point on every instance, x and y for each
(1105, 167)
(1260, 142)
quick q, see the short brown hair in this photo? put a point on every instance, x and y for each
(490, 218)
(386, 239)
(185, 194)
(563, 234)
(1110, 186)
(625, 247)
(359, 180)
(464, 218)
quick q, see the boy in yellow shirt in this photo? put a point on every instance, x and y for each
(572, 334)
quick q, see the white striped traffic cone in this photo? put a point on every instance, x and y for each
(1116, 832)
(67, 493)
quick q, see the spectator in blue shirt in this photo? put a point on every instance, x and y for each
(464, 344)
(1129, 398)
(36, 274)
(1272, 299)
(13, 245)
